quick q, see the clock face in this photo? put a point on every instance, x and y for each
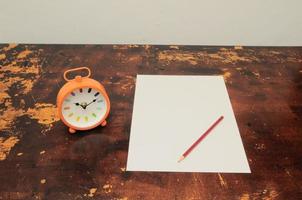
(84, 107)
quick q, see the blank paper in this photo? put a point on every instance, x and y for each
(170, 113)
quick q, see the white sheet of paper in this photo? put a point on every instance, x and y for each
(170, 113)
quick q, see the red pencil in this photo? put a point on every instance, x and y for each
(200, 139)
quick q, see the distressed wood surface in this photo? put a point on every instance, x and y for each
(40, 160)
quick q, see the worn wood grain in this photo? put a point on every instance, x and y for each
(40, 160)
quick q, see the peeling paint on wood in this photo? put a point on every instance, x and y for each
(222, 181)
(264, 85)
(9, 47)
(92, 192)
(44, 113)
(6, 145)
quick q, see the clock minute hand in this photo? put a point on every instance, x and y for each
(94, 100)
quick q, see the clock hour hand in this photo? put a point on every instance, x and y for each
(81, 104)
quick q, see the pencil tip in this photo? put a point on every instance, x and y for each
(180, 159)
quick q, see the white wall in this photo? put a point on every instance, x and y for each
(195, 22)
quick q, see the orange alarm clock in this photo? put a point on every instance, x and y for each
(82, 102)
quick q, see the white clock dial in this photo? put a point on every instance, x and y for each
(84, 107)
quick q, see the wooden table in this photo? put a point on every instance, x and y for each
(40, 160)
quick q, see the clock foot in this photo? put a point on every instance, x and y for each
(71, 131)
(104, 123)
